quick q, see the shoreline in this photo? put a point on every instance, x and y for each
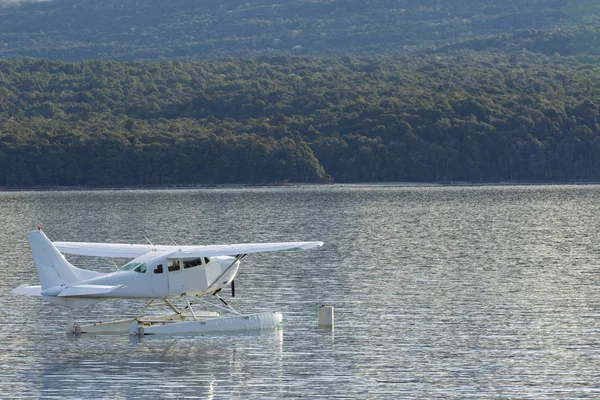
(286, 185)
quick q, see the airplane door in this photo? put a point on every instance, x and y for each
(176, 278)
(159, 280)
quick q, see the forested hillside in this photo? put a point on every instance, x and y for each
(301, 91)
(473, 116)
(73, 30)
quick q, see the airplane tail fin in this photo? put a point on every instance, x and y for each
(52, 267)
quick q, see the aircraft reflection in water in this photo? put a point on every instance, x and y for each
(156, 272)
(153, 367)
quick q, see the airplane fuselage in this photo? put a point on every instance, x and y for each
(162, 276)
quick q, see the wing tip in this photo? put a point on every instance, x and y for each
(311, 245)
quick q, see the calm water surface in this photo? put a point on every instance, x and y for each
(462, 292)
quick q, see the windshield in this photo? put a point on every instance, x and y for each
(134, 266)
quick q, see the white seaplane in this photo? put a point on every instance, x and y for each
(156, 272)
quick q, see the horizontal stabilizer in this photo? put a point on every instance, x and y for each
(120, 250)
(28, 290)
(87, 290)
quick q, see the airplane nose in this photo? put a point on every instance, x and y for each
(229, 271)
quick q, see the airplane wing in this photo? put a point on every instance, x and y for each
(115, 250)
(120, 250)
(242, 248)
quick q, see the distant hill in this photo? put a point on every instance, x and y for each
(155, 92)
(74, 30)
(472, 116)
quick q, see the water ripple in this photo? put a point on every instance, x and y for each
(470, 292)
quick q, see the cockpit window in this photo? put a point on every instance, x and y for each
(140, 268)
(134, 266)
(207, 260)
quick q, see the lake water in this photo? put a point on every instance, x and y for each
(462, 292)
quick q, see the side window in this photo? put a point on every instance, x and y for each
(158, 269)
(173, 265)
(140, 268)
(192, 263)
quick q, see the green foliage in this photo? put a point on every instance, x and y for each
(467, 116)
(124, 30)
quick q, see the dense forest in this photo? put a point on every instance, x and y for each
(75, 30)
(464, 116)
(129, 92)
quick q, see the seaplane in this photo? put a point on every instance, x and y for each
(155, 273)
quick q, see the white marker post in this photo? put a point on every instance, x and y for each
(325, 317)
